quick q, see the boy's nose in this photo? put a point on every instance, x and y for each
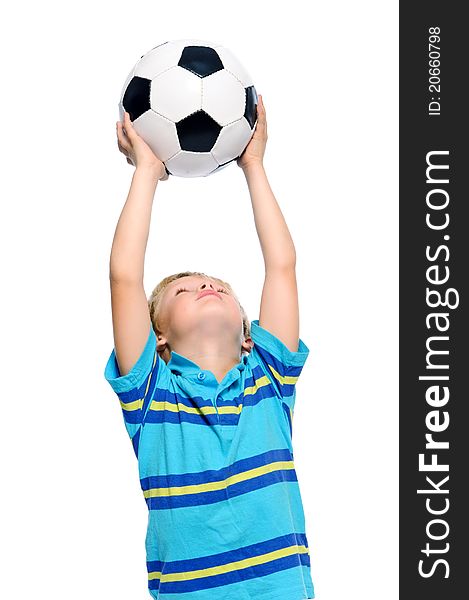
(205, 284)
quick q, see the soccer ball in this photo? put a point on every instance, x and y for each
(193, 103)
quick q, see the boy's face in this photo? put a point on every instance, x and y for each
(186, 306)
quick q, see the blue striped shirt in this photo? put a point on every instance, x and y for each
(225, 515)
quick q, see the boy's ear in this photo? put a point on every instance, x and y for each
(161, 343)
(248, 344)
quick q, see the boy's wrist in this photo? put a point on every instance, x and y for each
(151, 171)
(253, 167)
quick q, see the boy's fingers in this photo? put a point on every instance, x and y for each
(261, 122)
(261, 109)
(261, 125)
(128, 125)
(120, 133)
(121, 142)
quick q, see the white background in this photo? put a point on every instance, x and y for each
(73, 518)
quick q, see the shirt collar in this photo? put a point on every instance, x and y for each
(181, 364)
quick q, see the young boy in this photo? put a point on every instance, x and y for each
(208, 402)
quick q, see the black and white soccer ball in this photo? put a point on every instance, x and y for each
(193, 103)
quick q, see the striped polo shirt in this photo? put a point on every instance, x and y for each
(225, 515)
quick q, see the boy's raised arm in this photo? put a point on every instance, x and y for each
(130, 315)
(127, 259)
(279, 311)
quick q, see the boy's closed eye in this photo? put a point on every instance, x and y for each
(184, 290)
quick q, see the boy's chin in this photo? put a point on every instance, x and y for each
(217, 323)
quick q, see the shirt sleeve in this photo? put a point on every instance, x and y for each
(282, 366)
(135, 390)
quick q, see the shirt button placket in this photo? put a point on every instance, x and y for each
(201, 376)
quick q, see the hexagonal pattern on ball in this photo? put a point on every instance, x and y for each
(176, 93)
(191, 164)
(223, 97)
(223, 166)
(159, 133)
(232, 64)
(159, 59)
(232, 141)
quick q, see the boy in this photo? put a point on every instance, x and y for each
(208, 402)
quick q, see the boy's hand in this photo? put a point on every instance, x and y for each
(254, 152)
(136, 150)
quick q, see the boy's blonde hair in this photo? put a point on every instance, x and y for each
(154, 301)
